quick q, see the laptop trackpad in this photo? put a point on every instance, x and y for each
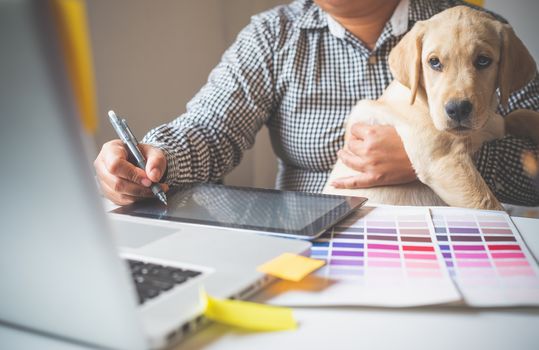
(135, 234)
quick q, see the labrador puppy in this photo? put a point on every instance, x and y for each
(443, 105)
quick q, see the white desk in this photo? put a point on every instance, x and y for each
(365, 328)
(376, 328)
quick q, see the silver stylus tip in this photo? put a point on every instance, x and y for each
(162, 197)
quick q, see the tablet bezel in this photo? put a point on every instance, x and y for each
(311, 231)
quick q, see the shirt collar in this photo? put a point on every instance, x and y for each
(421, 10)
(399, 21)
(335, 27)
(312, 18)
(404, 17)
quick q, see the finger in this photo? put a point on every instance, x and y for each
(110, 151)
(118, 184)
(114, 148)
(363, 180)
(356, 147)
(352, 161)
(107, 178)
(117, 198)
(123, 186)
(155, 162)
(120, 167)
(360, 130)
(368, 133)
(114, 155)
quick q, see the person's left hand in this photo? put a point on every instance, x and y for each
(377, 152)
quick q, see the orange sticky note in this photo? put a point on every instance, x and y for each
(291, 267)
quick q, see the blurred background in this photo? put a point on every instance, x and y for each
(151, 57)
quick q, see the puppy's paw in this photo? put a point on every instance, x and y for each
(490, 203)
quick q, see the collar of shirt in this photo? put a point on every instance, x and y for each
(312, 18)
(404, 17)
(421, 10)
(398, 21)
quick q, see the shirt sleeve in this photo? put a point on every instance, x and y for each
(499, 161)
(222, 120)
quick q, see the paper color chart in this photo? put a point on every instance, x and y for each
(394, 243)
(486, 257)
(380, 256)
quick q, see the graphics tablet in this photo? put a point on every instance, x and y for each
(282, 213)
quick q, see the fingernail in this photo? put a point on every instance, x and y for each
(146, 182)
(156, 174)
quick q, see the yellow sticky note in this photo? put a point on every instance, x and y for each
(248, 315)
(291, 267)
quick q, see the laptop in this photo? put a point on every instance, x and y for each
(68, 271)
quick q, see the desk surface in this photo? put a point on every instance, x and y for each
(377, 328)
(366, 328)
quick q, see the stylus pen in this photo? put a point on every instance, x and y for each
(127, 137)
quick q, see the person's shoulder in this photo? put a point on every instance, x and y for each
(445, 4)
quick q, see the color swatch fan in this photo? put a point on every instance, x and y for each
(402, 256)
(378, 257)
(486, 257)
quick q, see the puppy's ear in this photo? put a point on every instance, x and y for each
(516, 68)
(405, 59)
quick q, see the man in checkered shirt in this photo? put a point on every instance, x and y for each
(299, 69)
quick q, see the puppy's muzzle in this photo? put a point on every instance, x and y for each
(458, 110)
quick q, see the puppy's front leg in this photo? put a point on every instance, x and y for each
(443, 164)
(456, 180)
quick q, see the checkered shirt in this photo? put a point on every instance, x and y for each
(288, 71)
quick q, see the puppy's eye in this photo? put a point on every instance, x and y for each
(482, 62)
(435, 64)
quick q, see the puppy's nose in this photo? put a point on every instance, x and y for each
(458, 110)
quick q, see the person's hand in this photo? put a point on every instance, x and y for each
(377, 152)
(122, 182)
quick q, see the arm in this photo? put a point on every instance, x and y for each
(499, 161)
(222, 120)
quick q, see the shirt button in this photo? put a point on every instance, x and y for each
(372, 59)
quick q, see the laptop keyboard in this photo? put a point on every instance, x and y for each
(151, 279)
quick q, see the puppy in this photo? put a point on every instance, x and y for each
(443, 105)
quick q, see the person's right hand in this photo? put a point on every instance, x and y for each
(122, 182)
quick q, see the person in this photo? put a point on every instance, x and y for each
(299, 69)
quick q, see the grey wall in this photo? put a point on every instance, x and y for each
(151, 57)
(522, 15)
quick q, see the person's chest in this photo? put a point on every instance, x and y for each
(319, 78)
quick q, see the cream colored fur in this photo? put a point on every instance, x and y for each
(440, 150)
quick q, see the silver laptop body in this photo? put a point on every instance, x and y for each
(60, 270)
